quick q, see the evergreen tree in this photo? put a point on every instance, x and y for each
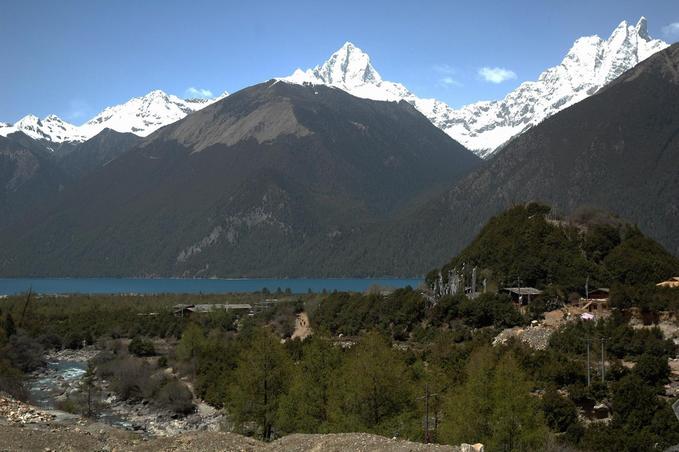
(260, 380)
(88, 388)
(516, 421)
(190, 344)
(468, 409)
(305, 407)
(494, 407)
(373, 388)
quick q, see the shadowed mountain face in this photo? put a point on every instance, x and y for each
(97, 151)
(264, 182)
(34, 174)
(618, 151)
(29, 176)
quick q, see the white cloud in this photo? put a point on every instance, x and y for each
(198, 92)
(447, 73)
(449, 81)
(671, 30)
(496, 74)
(78, 109)
(445, 69)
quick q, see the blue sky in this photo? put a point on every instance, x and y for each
(73, 58)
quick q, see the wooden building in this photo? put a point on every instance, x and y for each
(186, 310)
(523, 295)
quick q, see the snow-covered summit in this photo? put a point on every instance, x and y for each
(589, 65)
(350, 69)
(146, 114)
(140, 115)
(51, 128)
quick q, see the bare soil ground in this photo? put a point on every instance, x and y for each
(302, 327)
(98, 437)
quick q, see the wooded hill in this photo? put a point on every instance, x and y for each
(529, 244)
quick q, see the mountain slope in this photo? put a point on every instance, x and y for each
(29, 176)
(248, 186)
(482, 127)
(99, 150)
(617, 150)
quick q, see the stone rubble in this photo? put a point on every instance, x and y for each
(536, 337)
(20, 413)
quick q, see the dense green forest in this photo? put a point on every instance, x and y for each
(529, 245)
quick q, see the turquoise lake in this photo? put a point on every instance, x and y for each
(12, 286)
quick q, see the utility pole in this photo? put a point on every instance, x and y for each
(589, 380)
(587, 289)
(426, 397)
(603, 365)
(426, 413)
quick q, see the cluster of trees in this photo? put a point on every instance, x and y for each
(270, 388)
(405, 313)
(509, 398)
(524, 244)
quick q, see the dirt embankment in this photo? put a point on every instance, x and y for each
(26, 428)
(98, 437)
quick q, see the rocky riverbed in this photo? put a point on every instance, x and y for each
(53, 385)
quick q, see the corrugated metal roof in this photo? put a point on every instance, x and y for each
(523, 290)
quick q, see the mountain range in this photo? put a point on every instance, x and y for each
(482, 127)
(294, 178)
(140, 116)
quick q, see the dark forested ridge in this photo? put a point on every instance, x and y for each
(265, 182)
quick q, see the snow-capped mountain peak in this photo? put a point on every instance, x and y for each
(588, 66)
(139, 115)
(51, 128)
(351, 70)
(349, 66)
(145, 114)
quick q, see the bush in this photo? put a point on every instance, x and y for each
(560, 412)
(132, 378)
(654, 370)
(24, 352)
(176, 397)
(141, 347)
(12, 381)
(162, 362)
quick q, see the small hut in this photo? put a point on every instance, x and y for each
(523, 295)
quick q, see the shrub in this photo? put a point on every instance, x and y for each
(133, 378)
(12, 381)
(560, 412)
(175, 396)
(141, 347)
(24, 352)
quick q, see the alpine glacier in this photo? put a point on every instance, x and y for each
(140, 115)
(484, 126)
